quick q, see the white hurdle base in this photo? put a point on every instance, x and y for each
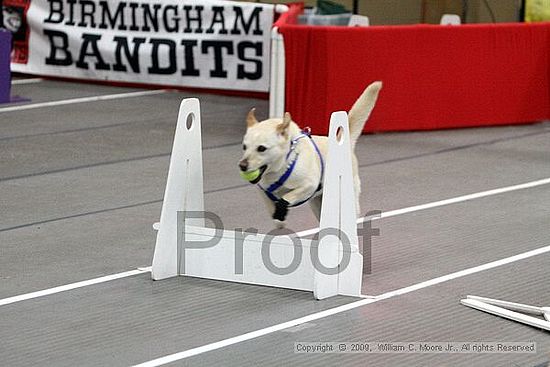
(238, 257)
(220, 262)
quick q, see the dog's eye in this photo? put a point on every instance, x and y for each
(261, 148)
(244, 147)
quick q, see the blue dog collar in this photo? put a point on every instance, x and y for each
(270, 191)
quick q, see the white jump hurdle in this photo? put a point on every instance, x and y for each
(238, 258)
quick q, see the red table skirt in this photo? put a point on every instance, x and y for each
(434, 76)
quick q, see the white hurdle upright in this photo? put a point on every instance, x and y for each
(328, 267)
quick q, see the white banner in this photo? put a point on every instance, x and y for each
(192, 43)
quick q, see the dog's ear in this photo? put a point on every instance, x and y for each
(251, 118)
(282, 128)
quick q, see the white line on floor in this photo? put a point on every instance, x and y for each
(435, 204)
(391, 213)
(27, 81)
(336, 310)
(67, 287)
(83, 100)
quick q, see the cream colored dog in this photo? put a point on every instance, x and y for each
(291, 163)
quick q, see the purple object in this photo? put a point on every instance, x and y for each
(5, 73)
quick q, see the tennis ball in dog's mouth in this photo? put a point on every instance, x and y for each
(251, 175)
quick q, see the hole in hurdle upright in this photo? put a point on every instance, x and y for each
(242, 258)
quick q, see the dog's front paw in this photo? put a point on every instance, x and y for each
(279, 224)
(281, 210)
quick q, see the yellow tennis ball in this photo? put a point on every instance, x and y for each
(251, 175)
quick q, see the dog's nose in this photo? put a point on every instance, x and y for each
(243, 165)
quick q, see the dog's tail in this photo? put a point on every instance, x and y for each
(359, 113)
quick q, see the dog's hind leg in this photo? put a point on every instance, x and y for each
(316, 203)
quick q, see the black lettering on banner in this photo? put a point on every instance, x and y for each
(218, 71)
(175, 19)
(241, 53)
(90, 40)
(189, 70)
(63, 48)
(113, 19)
(189, 19)
(133, 7)
(71, 4)
(156, 68)
(56, 12)
(133, 15)
(132, 57)
(255, 16)
(87, 10)
(150, 17)
(217, 17)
